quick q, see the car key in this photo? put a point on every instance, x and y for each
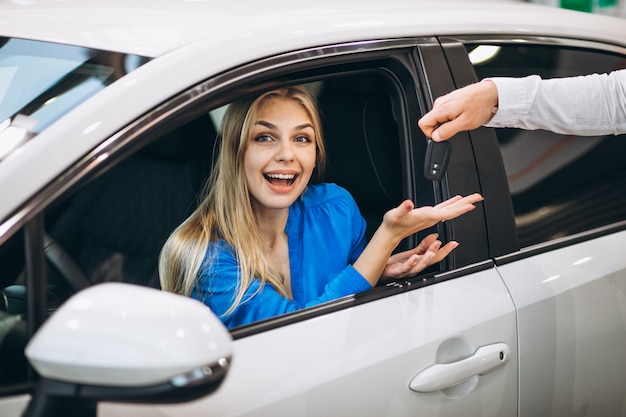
(436, 160)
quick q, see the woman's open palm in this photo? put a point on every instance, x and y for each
(405, 219)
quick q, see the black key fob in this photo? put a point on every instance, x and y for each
(436, 160)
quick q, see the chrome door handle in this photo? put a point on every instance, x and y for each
(438, 377)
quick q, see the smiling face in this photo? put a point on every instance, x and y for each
(280, 154)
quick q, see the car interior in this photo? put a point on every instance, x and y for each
(362, 145)
(113, 228)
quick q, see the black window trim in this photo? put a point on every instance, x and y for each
(616, 47)
(498, 208)
(462, 176)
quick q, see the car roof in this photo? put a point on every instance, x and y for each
(193, 40)
(154, 27)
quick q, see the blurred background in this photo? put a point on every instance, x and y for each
(609, 7)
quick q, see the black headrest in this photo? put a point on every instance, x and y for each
(185, 143)
(115, 227)
(363, 149)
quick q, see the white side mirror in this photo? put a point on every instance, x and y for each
(120, 337)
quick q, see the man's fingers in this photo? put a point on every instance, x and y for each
(463, 109)
(446, 131)
(429, 122)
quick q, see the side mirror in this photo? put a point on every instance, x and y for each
(126, 343)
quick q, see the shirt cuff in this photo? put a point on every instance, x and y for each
(515, 95)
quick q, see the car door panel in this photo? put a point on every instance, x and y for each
(360, 361)
(572, 328)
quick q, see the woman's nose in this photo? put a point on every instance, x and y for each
(284, 151)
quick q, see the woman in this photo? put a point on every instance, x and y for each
(265, 242)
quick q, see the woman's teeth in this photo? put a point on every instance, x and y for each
(288, 178)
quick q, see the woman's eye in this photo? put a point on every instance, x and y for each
(262, 138)
(302, 139)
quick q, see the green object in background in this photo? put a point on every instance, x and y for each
(580, 5)
(588, 5)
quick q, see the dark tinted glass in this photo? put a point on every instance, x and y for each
(560, 185)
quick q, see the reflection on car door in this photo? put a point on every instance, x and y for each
(572, 328)
(361, 360)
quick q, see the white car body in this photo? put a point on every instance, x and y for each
(547, 308)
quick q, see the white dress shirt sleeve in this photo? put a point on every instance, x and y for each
(586, 105)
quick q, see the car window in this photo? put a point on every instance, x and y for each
(41, 81)
(560, 185)
(114, 226)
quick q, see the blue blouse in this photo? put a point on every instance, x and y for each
(326, 234)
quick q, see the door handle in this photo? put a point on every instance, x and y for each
(438, 377)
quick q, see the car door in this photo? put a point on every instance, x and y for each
(443, 343)
(568, 279)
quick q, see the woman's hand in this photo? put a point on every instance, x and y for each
(409, 263)
(401, 222)
(405, 219)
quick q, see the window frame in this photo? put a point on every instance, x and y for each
(462, 177)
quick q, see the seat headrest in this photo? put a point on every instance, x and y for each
(185, 143)
(363, 148)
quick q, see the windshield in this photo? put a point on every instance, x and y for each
(41, 81)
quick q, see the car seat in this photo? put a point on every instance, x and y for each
(115, 227)
(361, 138)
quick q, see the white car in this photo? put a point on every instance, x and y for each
(109, 112)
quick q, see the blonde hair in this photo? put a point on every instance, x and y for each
(225, 211)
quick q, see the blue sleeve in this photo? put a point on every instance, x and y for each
(327, 235)
(218, 283)
(359, 240)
